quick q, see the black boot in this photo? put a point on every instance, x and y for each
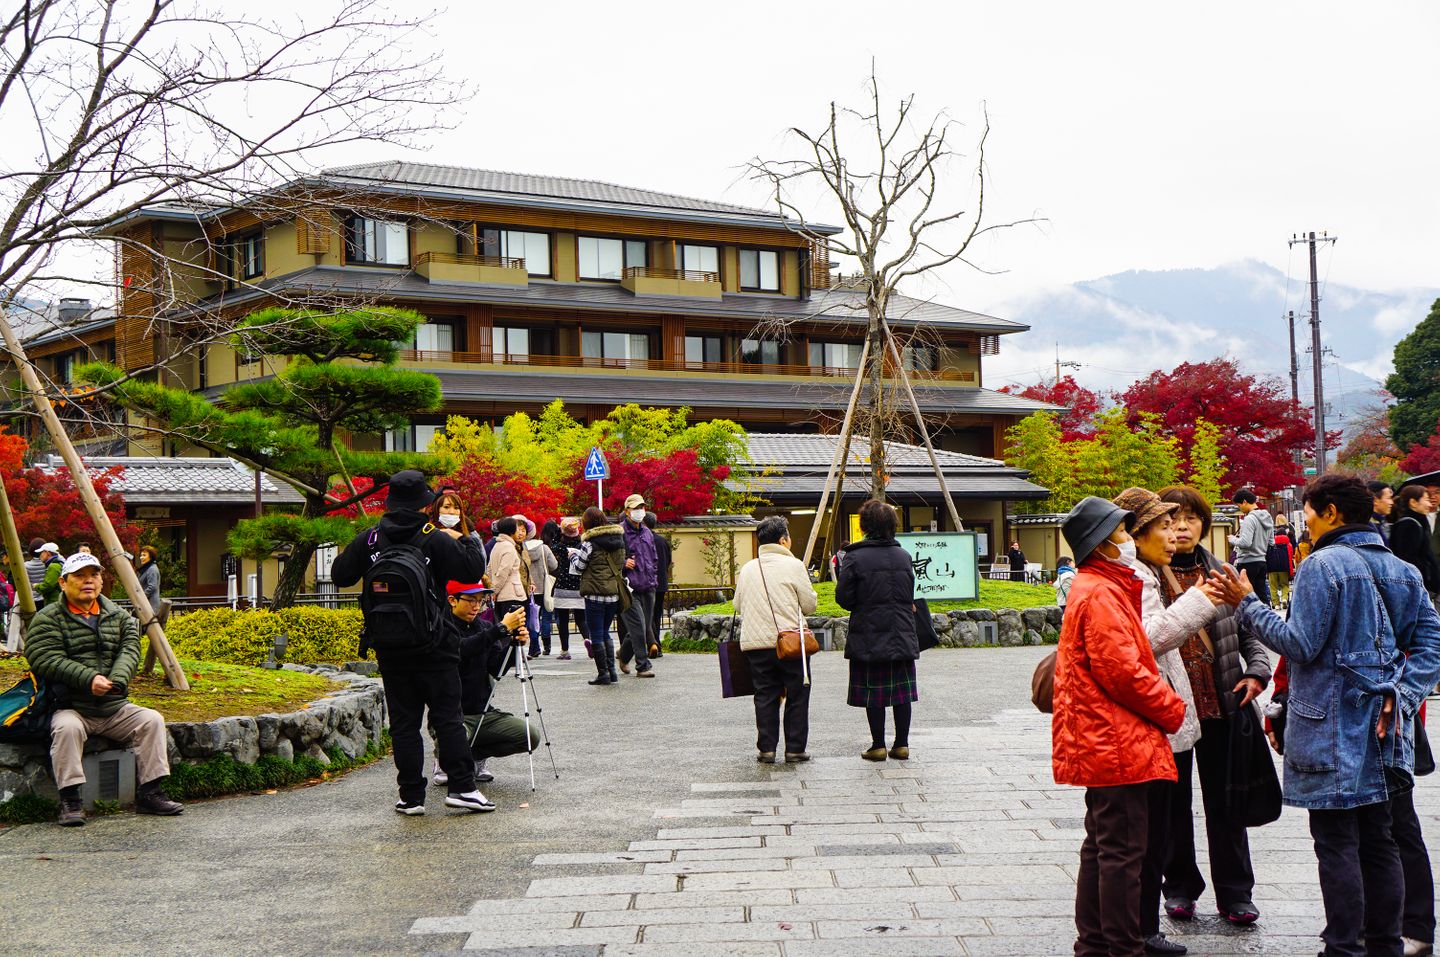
(72, 810)
(602, 673)
(149, 799)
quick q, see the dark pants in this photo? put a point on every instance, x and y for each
(1230, 868)
(1361, 881)
(1107, 891)
(1157, 848)
(1418, 922)
(1259, 573)
(774, 677)
(636, 634)
(562, 625)
(659, 614)
(408, 692)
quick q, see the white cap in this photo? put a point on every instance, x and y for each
(48, 547)
(78, 561)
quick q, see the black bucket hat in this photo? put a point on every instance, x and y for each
(408, 491)
(1090, 522)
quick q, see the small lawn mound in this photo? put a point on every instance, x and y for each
(993, 595)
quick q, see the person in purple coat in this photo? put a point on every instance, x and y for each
(642, 572)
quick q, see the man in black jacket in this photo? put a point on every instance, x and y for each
(415, 681)
(485, 656)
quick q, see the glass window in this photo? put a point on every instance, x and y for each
(511, 342)
(377, 242)
(920, 358)
(64, 367)
(534, 248)
(760, 270)
(835, 355)
(760, 352)
(608, 258)
(615, 345)
(435, 337)
(701, 258)
(702, 349)
(249, 255)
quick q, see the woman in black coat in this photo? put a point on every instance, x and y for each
(1017, 563)
(1410, 535)
(877, 586)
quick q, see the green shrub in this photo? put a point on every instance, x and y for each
(28, 809)
(222, 774)
(691, 645)
(245, 637)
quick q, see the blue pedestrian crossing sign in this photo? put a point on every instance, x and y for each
(596, 468)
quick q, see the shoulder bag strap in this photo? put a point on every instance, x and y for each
(1174, 585)
(765, 586)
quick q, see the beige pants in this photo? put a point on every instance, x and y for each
(142, 729)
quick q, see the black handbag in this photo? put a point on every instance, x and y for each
(924, 625)
(1252, 788)
(735, 678)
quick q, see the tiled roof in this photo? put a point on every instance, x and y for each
(702, 392)
(502, 184)
(841, 306)
(793, 450)
(910, 485)
(177, 481)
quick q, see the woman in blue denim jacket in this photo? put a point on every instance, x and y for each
(1356, 612)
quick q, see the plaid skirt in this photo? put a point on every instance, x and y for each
(882, 684)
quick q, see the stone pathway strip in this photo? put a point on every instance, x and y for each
(967, 849)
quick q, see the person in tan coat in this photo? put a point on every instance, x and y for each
(773, 594)
(508, 572)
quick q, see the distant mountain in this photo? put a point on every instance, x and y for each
(1124, 326)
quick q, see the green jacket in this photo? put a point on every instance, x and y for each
(49, 587)
(67, 652)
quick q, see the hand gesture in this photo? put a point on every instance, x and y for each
(1235, 586)
(1251, 688)
(1212, 590)
(102, 685)
(514, 620)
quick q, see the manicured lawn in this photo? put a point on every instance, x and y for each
(216, 690)
(993, 594)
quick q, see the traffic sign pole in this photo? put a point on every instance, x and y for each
(600, 493)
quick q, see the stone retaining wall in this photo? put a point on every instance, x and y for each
(349, 718)
(956, 629)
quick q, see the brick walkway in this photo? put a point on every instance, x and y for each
(968, 849)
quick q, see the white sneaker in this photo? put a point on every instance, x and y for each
(438, 776)
(410, 810)
(482, 775)
(470, 801)
(1416, 948)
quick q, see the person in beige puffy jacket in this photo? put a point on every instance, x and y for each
(773, 594)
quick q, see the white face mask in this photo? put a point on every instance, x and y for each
(1127, 556)
(449, 521)
(637, 515)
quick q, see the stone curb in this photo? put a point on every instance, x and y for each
(956, 629)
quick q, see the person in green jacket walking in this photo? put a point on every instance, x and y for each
(88, 649)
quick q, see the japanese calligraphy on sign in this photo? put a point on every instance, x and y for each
(946, 564)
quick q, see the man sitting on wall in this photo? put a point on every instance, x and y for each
(485, 655)
(88, 649)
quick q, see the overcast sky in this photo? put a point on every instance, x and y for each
(1150, 135)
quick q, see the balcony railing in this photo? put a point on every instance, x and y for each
(465, 259)
(654, 272)
(654, 365)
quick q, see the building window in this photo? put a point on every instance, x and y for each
(376, 242)
(435, 337)
(511, 344)
(608, 258)
(64, 368)
(700, 349)
(610, 346)
(412, 438)
(534, 248)
(835, 355)
(249, 256)
(764, 352)
(920, 358)
(759, 270)
(700, 258)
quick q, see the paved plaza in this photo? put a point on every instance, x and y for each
(662, 837)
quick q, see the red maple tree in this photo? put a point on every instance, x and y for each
(673, 486)
(1260, 429)
(1083, 405)
(1423, 458)
(491, 492)
(48, 505)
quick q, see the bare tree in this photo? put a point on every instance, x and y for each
(890, 180)
(111, 106)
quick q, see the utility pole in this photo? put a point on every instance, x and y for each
(1058, 364)
(1294, 365)
(1317, 352)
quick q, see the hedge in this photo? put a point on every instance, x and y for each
(313, 635)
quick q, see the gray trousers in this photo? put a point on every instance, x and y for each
(639, 629)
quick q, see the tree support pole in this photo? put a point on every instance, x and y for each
(842, 448)
(924, 430)
(174, 674)
(24, 596)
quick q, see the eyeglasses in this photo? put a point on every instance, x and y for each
(469, 598)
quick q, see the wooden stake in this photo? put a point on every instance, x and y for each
(841, 448)
(24, 596)
(174, 674)
(924, 430)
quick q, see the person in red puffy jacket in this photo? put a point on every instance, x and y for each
(1112, 713)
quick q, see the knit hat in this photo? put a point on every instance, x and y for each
(1090, 522)
(1146, 505)
(408, 492)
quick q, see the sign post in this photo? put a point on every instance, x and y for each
(597, 470)
(946, 564)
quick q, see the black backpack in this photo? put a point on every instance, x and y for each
(401, 611)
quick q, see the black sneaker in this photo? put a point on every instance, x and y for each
(72, 812)
(410, 808)
(470, 801)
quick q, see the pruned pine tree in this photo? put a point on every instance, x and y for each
(340, 380)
